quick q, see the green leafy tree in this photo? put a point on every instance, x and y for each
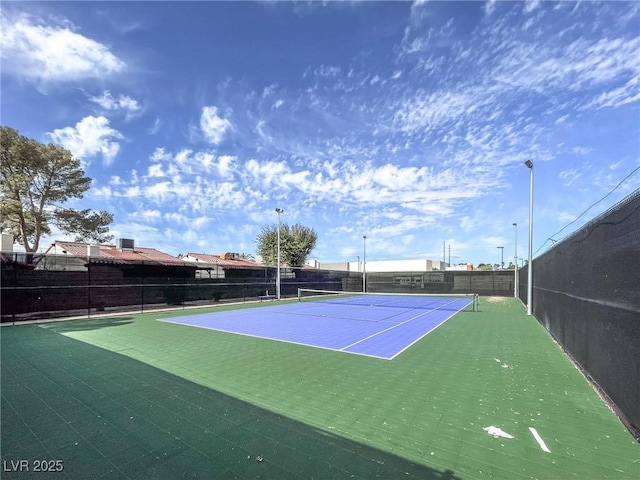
(37, 180)
(296, 243)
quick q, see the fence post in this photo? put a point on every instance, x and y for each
(89, 287)
(184, 289)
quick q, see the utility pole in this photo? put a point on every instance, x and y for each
(529, 165)
(364, 264)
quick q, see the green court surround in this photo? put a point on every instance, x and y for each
(131, 397)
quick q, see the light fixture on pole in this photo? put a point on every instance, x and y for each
(529, 165)
(515, 264)
(364, 264)
(501, 257)
(278, 211)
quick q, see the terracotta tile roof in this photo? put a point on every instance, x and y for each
(219, 260)
(110, 254)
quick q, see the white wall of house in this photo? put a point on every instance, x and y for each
(208, 270)
(418, 265)
(340, 266)
(7, 243)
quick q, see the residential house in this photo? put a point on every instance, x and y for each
(225, 265)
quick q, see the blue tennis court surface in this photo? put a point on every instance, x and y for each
(354, 325)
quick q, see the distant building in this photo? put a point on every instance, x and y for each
(419, 265)
(468, 267)
(220, 266)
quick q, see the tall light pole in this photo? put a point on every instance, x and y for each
(529, 165)
(364, 264)
(515, 264)
(278, 211)
(501, 257)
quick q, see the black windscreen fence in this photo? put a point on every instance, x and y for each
(586, 293)
(495, 282)
(37, 286)
(47, 286)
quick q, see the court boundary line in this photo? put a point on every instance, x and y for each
(274, 339)
(335, 293)
(424, 335)
(360, 307)
(357, 306)
(405, 322)
(340, 350)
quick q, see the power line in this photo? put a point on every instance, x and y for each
(589, 208)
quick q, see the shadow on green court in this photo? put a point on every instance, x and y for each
(91, 324)
(104, 415)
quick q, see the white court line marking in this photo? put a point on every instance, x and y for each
(176, 321)
(398, 325)
(539, 439)
(425, 334)
(233, 332)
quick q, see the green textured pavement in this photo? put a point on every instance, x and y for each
(131, 397)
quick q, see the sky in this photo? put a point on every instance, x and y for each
(407, 123)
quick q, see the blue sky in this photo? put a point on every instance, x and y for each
(406, 122)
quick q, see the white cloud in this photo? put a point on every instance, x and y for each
(266, 172)
(188, 162)
(615, 165)
(581, 64)
(147, 215)
(426, 111)
(123, 102)
(270, 90)
(569, 176)
(565, 217)
(51, 53)
(91, 136)
(225, 165)
(489, 7)
(582, 150)
(628, 93)
(183, 156)
(155, 170)
(213, 126)
(531, 5)
(155, 128)
(493, 241)
(328, 71)
(102, 192)
(160, 155)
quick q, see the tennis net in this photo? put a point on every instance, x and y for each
(462, 301)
